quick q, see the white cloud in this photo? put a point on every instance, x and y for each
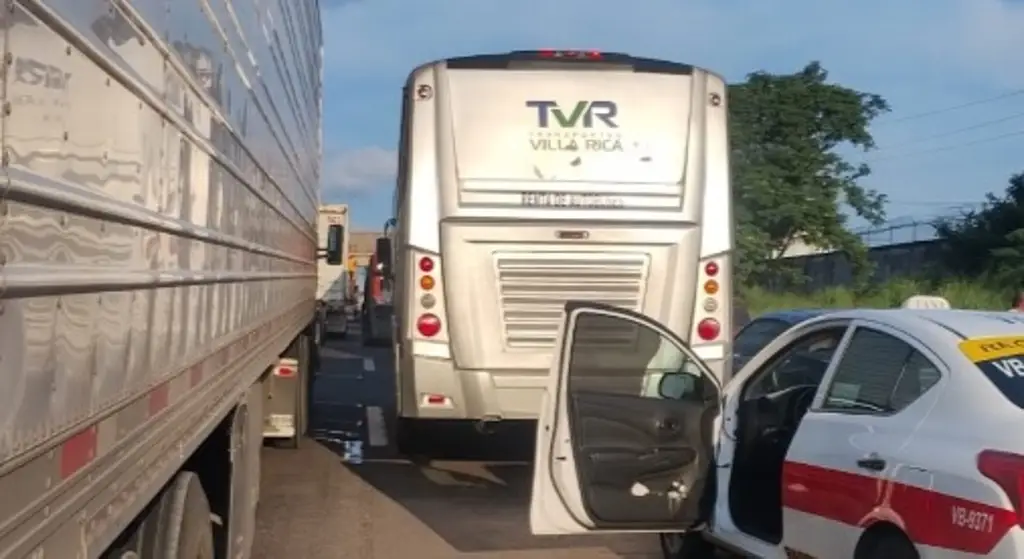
(360, 170)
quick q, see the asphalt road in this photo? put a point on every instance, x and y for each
(316, 505)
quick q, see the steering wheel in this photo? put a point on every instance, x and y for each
(800, 404)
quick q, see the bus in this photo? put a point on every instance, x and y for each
(531, 178)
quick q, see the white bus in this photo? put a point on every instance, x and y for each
(529, 179)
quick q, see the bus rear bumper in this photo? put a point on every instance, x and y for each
(432, 388)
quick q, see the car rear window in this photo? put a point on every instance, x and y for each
(1001, 359)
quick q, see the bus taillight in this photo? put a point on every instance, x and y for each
(427, 283)
(708, 329)
(428, 325)
(711, 269)
(426, 264)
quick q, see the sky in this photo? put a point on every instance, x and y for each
(952, 70)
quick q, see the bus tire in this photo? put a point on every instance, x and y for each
(406, 440)
(178, 526)
(685, 545)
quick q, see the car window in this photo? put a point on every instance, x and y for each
(802, 363)
(1001, 360)
(879, 373)
(613, 355)
(756, 335)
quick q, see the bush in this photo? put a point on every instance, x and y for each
(961, 295)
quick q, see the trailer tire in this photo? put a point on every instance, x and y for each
(179, 524)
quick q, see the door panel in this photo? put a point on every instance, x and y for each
(634, 453)
(612, 456)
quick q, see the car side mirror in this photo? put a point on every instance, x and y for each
(383, 256)
(681, 386)
(335, 243)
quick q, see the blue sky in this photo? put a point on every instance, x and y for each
(923, 56)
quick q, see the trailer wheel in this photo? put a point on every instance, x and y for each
(179, 524)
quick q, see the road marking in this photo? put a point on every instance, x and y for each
(368, 365)
(375, 426)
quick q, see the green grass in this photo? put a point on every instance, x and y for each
(961, 295)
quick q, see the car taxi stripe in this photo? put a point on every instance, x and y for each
(927, 516)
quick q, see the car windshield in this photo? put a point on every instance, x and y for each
(756, 335)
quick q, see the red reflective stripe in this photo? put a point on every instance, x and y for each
(927, 516)
(77, 452)
(159, 397)
(195, 375)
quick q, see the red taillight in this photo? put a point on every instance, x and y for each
(554, 53)
(428, 325)
(708, 329)
(1007, 471)
(711, 269)
(285, 372)
(426, 264)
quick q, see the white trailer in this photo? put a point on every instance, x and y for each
(332, 282)
(157, 269)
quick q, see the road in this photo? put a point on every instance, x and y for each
(314, 504)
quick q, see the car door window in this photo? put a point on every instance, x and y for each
(613, 356)
(802, 363)
(879, 373)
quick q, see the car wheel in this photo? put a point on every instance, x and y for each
(890, 545)
(685, 545)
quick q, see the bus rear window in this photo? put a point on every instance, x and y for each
(1001, 359)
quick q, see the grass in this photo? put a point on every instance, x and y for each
(961, 295)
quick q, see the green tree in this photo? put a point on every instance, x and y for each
(790, 182)
(989, 241)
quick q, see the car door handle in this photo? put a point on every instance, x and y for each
(668, 424)
(873, 463)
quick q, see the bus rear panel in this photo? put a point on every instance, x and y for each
(530, 179)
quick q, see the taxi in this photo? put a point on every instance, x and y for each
(855, 434)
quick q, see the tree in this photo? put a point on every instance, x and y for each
(988, 241)
(789, 180)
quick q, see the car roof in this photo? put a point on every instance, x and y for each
(793, 316)
(963, 324)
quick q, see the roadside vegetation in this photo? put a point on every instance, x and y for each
(797, 178)
(961, 294)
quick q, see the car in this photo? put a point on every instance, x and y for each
(760, 331)
(856, 433)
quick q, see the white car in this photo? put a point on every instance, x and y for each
(857, 434)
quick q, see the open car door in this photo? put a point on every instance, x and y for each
(625, 438)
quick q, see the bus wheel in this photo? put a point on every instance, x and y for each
(179, 524)
(685, 545)
(406, 439)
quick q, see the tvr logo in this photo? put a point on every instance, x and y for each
(582, 114)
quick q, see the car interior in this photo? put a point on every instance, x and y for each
(773, 402)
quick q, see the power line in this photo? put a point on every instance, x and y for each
(952, 108)
(951, 147)
(956, 131)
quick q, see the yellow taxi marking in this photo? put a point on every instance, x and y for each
(998, 347)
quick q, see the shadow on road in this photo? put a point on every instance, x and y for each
(482, 505)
